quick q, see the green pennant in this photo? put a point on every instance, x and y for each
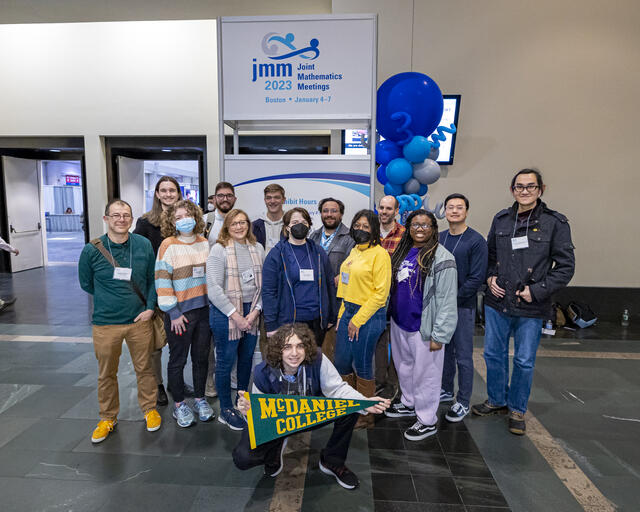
(273, 416)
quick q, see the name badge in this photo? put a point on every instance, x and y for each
(247, 275)
(344, 276)
(519, 242)
(198, 272)
(122, 273)
(403, 274)
(306, 274)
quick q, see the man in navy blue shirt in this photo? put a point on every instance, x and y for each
(469, 249)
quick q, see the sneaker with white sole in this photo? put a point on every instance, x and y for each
(456, 412)
(232, 419)
(273, 468)
(204, 410)
(183, 415)
(343, 475)
(399, 410)
(445, 396)
(418, 431)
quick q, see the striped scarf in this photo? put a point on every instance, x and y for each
(234, 290)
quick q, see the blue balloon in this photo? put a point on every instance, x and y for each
(391, 189)
(408, 104)
(381, 174)
(399, 171)
(387, 150)
(423, 190)
(417, 149)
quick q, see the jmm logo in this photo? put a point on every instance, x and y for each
(270, 70)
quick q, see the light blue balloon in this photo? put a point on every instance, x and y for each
(391, 189)
(412, 186)
(417, 149)
(399, 171)
(427, 172)
(423, 190)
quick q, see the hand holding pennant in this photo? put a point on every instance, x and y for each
(273, 416)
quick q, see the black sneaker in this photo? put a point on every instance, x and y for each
(418, 431)
(163, 399)
(274, 467)
(486, 409)
(399, 410)
(516, 423)
(343, 475)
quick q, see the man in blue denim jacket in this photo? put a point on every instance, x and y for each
(530, 258)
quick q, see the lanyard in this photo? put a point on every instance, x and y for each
(516, 224)
(308, 255)
(130, 251)
(325, 241)
(459, 239)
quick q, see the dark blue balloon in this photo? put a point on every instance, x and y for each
(423, 190)
(387, 150)
(381, 173)
(393, 190)
(409, 104)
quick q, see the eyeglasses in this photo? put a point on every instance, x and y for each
(117, 216)
(239, 224)
(424, 227)
(530, 187)
(225, 196)
(333, 211)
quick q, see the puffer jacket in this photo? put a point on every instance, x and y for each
(440, 299)
(546, 266)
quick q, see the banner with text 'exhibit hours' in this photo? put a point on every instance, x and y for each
(297, 73)
(298, 68)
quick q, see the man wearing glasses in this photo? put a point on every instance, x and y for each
(469, 248)
(530, 258)
(225, 197)
(118, 270)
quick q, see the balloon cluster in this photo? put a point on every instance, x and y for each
(410, 108)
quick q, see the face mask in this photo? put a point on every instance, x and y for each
(210, 207)
(299, 231)
(361, 236)
(186, 225)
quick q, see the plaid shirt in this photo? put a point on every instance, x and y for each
(391, 241)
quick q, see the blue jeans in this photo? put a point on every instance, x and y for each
(358, 354)
(460, 351)
(226, 353)
(526, 333)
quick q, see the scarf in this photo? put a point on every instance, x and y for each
(234, 290)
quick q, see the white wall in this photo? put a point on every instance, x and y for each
(129, 78)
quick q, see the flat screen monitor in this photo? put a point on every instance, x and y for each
(352, 139)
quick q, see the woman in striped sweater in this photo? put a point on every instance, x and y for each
(182, 295)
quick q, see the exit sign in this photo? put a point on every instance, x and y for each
(72, 180)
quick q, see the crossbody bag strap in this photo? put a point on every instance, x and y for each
(97, 243)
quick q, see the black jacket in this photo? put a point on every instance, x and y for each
(150, 232)
(546, 266)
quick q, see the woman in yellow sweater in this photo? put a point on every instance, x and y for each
(364, 282)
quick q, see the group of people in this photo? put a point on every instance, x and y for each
(345, 312)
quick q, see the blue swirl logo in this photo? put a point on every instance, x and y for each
(277, 47)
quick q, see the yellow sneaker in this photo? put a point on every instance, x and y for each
(153, 420)
(104, 428)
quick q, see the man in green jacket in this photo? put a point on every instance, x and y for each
(118, 270)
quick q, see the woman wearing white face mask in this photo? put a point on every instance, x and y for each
(182, 295)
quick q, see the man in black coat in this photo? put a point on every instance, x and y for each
(530, 258)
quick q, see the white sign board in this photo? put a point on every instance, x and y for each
(306, 179)
(298, 68)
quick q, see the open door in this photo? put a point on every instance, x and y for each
(131, 174)
(22, 185)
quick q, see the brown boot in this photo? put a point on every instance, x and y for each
(350, 379)
(368, 389)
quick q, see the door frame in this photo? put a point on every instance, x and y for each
(38, 155)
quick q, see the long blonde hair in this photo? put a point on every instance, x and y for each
(224, 238)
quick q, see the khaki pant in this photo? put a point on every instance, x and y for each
(107, 343)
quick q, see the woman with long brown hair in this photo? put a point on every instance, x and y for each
(234, 281)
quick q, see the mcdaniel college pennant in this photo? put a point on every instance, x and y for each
(273, 416)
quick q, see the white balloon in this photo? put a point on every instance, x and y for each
(427, 172)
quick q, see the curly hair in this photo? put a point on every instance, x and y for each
(224, 237)
(426, 254)
(168, 225)
(275, 344)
